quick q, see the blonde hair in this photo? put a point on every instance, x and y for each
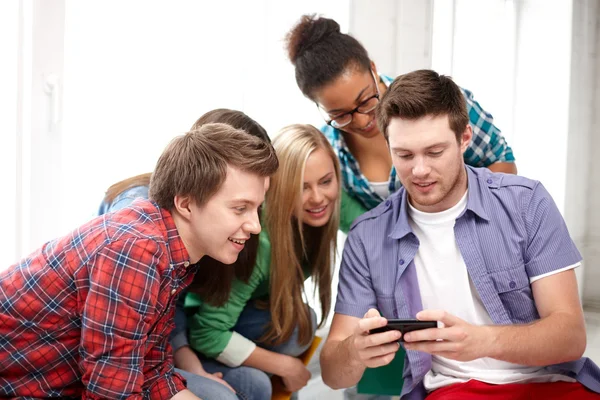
(290, 247)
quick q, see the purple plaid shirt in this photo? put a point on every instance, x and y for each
(510, 231)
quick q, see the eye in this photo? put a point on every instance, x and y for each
(240, 210)
(404, 156)
(326, 182)
(436, 153)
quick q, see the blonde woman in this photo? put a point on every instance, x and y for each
(266, 322)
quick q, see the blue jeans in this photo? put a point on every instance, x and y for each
(251, 383)
(205, 388)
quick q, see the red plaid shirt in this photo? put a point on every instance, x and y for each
(89, 315)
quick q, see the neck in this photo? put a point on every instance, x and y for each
(184, 231)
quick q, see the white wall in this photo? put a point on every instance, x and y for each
(589, 112)
(397, 33)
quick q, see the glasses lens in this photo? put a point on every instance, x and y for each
(341, 121)
(368, 105)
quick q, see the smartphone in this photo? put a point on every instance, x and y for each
(405, 326)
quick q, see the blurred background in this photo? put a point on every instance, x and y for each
(92, 91)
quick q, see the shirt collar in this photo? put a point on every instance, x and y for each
(477, 183)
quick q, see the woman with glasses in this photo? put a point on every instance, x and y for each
(334, 70)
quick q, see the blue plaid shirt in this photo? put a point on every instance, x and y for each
(487, 147)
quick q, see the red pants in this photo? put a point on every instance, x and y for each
(514, 391)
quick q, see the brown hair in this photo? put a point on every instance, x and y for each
(294, 245)
(119, 187)
(321, 53)
(423, 93)
(213, 279)
(235, 118)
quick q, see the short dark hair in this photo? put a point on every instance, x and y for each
(235, 118)
(423, 93)
(196, 163)
(321, 53)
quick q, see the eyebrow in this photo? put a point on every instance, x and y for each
(442, 144)
(327, 175)
(339, 110)
(241, 200)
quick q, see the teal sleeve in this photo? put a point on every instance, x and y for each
(210, 328)
(350, 209)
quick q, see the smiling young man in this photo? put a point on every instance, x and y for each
(487, 255)
(88, 315)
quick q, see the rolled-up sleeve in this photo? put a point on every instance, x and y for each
(549, 245)
(488, 145)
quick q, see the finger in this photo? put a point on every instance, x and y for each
(372, 313)
(432, 347)
(218, 374)
(454, 334)
(438, 315)
(376, 339)
(368, 323)
(379, 351)
(380, 361)
(430, 334)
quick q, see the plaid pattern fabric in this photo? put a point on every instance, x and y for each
(488, 146)
(89, 315)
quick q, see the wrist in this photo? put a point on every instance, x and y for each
(490, 341)
(287, 363)
(353, 359)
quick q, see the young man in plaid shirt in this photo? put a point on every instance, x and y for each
(88, 315)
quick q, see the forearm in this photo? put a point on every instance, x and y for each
(506, 167)
(186, 359)
(268, 361)
(185, 395)
(559, 337)
(339, 368)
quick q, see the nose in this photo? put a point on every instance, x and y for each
(316, 197)
(253, 224)
(361, 120)
(420, 168)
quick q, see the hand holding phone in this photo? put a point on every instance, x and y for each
(404, 326)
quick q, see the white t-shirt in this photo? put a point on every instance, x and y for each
(445, 284)
(381, 188)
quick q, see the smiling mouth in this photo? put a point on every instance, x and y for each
(424, 184)
(316, 210)
(238, 241)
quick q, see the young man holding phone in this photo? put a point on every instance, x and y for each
(486, 255)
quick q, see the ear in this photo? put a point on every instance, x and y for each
(466, 138)
(183, 205)
(374, 67)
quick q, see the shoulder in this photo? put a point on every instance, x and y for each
(380, 216)
(141, 220)
(513, 192)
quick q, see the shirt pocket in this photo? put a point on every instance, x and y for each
(514, 290)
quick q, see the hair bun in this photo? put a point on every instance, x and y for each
(309, 31)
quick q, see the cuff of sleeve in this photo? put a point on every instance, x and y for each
(237, 350)
(167, 386)
(351, 309)
(179, 340)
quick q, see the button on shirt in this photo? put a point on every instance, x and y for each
(89, 315)
(511, 230)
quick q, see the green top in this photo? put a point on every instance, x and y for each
(210, 327)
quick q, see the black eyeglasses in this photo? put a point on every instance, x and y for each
(345, 119)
